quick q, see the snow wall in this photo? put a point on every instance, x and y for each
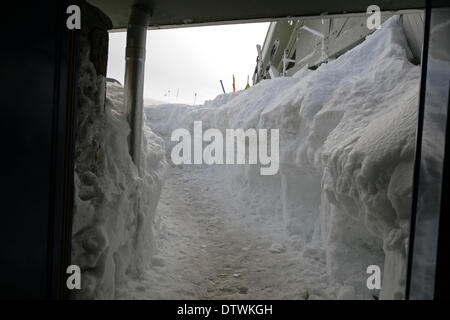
(114, 202)
(347, 138)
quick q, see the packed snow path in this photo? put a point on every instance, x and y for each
(206, 252)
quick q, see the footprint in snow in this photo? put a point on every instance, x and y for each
(277, 248)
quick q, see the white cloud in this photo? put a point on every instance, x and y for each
(192, 60)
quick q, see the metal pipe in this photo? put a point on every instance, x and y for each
(134, 77)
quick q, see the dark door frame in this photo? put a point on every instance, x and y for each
(428, 259)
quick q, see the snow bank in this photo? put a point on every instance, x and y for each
(347, 133)
(114, 205)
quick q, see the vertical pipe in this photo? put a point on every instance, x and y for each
(134, 77)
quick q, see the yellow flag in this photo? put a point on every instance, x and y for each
(248, 83)
(234, 88)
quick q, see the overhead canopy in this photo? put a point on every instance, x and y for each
(176, 13)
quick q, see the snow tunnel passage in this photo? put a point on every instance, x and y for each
(338, 203)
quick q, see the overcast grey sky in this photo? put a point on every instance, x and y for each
(192, 60)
